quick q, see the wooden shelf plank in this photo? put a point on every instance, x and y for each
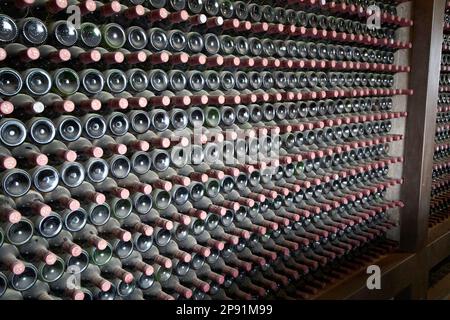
(438, 249)
(441, 290)
(439, 230)
(397, 274)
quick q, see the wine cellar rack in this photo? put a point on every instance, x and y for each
(438, 203)
(219, 149)
(439, 219)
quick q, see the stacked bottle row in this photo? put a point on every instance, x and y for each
(439, 203)
(194, 149)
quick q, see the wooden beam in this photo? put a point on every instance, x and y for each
(439, 230)
(440, 290)
(427, 38)
(398, 272)
(438, 250)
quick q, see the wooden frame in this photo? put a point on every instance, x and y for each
(405, 274)
(421, 123)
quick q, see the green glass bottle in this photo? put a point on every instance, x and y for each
(100, 257)
(65, 82)
(113, 36)
(212, 117)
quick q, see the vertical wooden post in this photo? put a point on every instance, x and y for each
(427, 38)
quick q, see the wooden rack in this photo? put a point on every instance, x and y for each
(404, 274)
